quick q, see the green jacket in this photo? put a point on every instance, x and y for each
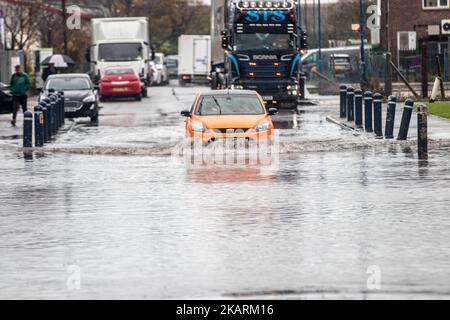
(20, 84)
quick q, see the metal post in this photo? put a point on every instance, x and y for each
(368, 101)
(343, 101)
(314, 24)
(350, 104)
(422, 132)
(388, 75)
(446, 66)
(38, 127)
(377, 115)
(306, 16)
(390, 118)
(406, 120)
(441, 81)
(28, 129)
(358, 109)
(319, 33)
(362, 36)
(64, 25)
(424, 71)
(51, 118)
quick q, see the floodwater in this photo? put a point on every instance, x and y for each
(301, 225)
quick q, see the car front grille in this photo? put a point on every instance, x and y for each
(231, 130)
(73, 104)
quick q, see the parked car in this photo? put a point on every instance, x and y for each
(6, 104)
(81, 99)
(340, 64)
(160, 72)
(228, 114)
(121, 82)
(172, 66)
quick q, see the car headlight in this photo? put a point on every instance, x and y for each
(263, 126)
(90, 98)
(198, 126)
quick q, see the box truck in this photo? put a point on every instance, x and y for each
(121, 42)
(194, 58)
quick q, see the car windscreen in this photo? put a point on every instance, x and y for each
(118, 72)
(120, 52)
(68, 84)
(230, 105)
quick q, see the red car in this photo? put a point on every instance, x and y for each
(120, 82)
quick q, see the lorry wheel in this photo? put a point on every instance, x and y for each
(222, 81)
(214, 81)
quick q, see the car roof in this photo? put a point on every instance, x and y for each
(228, 93)
(69, 75)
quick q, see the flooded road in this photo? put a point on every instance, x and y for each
(144, 225)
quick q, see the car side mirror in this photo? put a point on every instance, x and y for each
(273, 111)
(186, 113)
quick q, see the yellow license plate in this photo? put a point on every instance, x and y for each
(120, 89)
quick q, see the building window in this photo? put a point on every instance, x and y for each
(435, 4)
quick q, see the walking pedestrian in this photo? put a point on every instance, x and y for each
(20, 84)
(50, 70)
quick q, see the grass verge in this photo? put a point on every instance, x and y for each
(440, 109)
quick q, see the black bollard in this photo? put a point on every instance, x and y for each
(377, 115)
(63, 117)
(422, 132)
(51, 120)
(43, 106)
(390, 118)
(406, 120)
(343, 101)
(28, 129)
(368, 101)
(350, 104)
(358, 109)
(38, 127)
(47, 120)
(53, 117)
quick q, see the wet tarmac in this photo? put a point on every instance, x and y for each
(111, 211)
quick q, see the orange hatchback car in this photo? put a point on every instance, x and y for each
(229, 114)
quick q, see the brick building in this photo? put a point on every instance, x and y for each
(406, 24)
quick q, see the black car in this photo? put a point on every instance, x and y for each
(81, 99)
(6, 100)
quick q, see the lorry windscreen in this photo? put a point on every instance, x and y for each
(120, 52)
(263, 41)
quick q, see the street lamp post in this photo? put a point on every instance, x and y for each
(64, 18)
(319, 34)
(362, 35)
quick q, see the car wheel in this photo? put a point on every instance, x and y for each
(102, 98)
(94, 117)
(138, 97)
(144, 92)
